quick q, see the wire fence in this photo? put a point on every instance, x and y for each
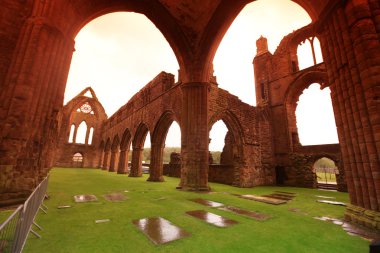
(14, 231)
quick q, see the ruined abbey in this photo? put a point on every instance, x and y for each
(261, 147)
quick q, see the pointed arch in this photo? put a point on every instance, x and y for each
(138, 146)
(158, 144)
(107, 151)
(115, 147)
(81, 133)
(124, 152)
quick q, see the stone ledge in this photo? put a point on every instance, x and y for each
(362, 216)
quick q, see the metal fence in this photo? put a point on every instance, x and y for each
(14, 231)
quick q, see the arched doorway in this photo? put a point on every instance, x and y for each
(326, 173)
(77, 160)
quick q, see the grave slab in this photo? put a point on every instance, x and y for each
(159, 230)
(267, 200)
(337, 203)
(115, 197)
(212, 218)
(206, 202)
(85, 198)
(251, 214)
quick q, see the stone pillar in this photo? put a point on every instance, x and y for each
(136, 168)
(106, 160)
(351, 46)
(156, 163)
(123, 162)
(194, 136)
(32, 96)
(113, 161)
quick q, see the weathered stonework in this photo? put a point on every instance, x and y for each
(41, 33)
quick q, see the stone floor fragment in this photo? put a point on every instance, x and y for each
(279, 196)
(263, 199)
(251, 214)
(85, 198)
(159, 230)
(212, 218)
(206, 202)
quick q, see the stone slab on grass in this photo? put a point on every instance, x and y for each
(263, 199)
(159, 230)
(247, 213)
(212, 218)
(115, 197)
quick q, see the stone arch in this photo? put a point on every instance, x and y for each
(101, 153)
(115, 149)
(340, 178)
(292, 95)
(236, 136)
(124, 152)
(158, 144)
(138, 146)
(107, 152)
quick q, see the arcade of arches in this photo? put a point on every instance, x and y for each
(37, 43)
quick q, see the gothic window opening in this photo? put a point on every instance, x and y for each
(91, 136)
(172, 141)
(81, 133)
(217, 142)
(309, 53)
(71, 135)
(315, 117)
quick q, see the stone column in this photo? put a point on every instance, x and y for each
(351, 47)
(136, 168)
(106, 160)
(33, 94)
(156, 163)
(194, 136)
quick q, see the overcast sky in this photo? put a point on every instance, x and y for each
(117, 54)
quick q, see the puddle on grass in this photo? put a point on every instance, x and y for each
(115, 197)
(159, 230)
(352, 229)
(337, 203)
(212, 218)
(206, 202)
(85, 198)
(251, 214)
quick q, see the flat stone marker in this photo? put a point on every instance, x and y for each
(337, 203)
(267, 200)
(159, 230)
(63, 207)
(115, 197)
(212, 218)
(206, 202)
(85, 198)
(102, 221)
(251, 214)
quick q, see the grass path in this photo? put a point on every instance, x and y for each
(73, 230)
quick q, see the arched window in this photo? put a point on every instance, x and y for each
(309, 53)
(81, 133)
(172, 141)
(90, 136)
(71, 135)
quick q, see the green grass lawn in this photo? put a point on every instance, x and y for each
(74, 229)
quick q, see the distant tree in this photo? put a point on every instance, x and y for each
(324, 163)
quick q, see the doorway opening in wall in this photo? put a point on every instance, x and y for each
(217, 138)
(77, 160)
(326, 173)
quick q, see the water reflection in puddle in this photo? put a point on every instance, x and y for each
(159, 230)
(212, 218)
